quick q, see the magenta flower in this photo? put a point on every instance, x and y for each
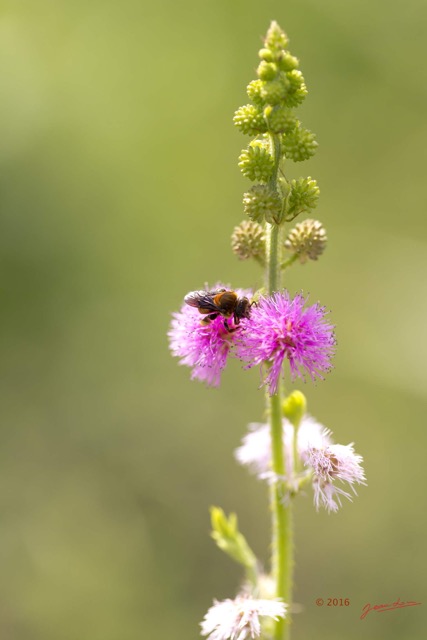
(282, 328)
(204, 347)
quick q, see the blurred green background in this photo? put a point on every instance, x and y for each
(119, 191)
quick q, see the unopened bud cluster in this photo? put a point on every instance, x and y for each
(279, 88)
(277, 135)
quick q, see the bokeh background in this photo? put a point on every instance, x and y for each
(119, 192)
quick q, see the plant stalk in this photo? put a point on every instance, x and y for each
(281, 506)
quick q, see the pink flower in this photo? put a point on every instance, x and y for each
(281, 328)
(204, 347)
(239, 619)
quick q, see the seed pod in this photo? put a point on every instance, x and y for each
(307, 239)
(248, 241)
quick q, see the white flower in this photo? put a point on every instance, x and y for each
(327, 462)
(255, 451)
(311, 435)
(238, 619)
(330, 463)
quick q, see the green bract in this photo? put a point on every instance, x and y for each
(225, 532)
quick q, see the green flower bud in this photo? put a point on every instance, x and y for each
(280, 119)
(266, 54)
(308, 240)
(248, 241)
(276, 39)
(299, 144)
(297, 89)
(274, 91)
(225, 532)
(294, 407)
(266, 70)
(256, 162)
(250, 119)
(261, 202)
(303, 196)
(294, 98)
(296, 79)
(254, 91)
(287, 62)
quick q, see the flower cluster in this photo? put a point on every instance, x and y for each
(325, 463)
(278, 328)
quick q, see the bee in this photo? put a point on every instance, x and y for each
(220, 302)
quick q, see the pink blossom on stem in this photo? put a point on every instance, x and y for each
(203, 346)
(280, 328)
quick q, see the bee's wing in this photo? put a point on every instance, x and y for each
(202, 300)
(193, 298)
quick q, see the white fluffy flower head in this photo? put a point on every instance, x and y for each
(255, 451)
(328, 463)
(239, 619)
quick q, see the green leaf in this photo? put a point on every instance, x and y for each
(227, 536)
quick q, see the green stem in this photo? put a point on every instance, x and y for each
(273, 237)
(273, 277)
(282, 559)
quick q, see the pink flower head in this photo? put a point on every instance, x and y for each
(281, 327)
(238, 619)
(202, 346)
